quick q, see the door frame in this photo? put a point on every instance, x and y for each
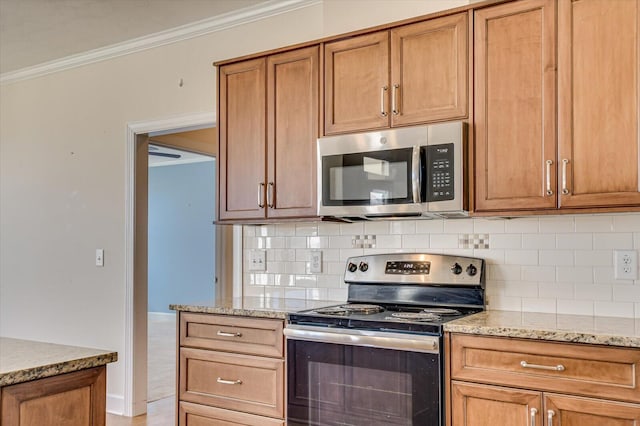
(135, 346)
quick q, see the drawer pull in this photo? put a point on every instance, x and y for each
(228, 382)
(550, 414)
(533, 413)
(226, 334)
(558, 367)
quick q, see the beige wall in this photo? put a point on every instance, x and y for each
(62, 168)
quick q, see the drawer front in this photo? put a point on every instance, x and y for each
(232, 381)
(232, 334)
(201, 415)
(579, 369)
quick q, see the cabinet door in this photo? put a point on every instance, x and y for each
(429, 64)
(292, 99)
(598, 102)
(242, 142)
(574, 411)
(515, 106)
(356, 92)
(483, 405)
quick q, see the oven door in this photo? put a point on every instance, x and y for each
(362, 378)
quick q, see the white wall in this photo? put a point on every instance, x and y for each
(62, 168)
(556, 264)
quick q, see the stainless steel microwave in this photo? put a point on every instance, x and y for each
(397, 173)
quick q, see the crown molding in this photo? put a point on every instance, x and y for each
(173, 35)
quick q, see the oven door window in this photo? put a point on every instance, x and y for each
(330, 384)
(367, 178)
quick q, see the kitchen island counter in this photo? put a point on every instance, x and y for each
(597, 330)
(26, 360)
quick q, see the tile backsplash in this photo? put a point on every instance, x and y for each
(557, 264)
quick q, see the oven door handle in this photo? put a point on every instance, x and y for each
(386, 340)
(415, 174)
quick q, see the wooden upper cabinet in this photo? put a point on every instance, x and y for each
(356, 84)
(241, 123)
(515, 98)
(429, 70)
(292, 99)
(411, 74)
(598, 104)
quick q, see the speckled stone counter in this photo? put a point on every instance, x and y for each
(624, 332)
(259, 307)
(25, 360)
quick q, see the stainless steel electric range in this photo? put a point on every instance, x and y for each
(378, 359)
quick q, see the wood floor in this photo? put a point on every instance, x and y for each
(161, 371)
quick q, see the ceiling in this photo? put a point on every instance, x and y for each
(33, 32)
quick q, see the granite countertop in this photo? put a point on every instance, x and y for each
(259, 307)
(25, 360)
(624, 332)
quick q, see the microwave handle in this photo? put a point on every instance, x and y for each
(415, 174)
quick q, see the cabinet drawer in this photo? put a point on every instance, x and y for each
(232, 334)
(580, 369)
(233, 381)
(202, 415)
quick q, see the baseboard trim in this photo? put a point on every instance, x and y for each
(115, 404)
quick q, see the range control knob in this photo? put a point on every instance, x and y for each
(456, 269)
(364, 266)
(472, 270)
(352, 267)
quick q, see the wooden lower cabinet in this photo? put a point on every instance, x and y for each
(503, 381)
(230, 370)
(71, 399)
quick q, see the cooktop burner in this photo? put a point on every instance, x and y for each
(441, 311)
(352, 308)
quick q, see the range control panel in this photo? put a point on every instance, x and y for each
(408, 267)
(439, 172)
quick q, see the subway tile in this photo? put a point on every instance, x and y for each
(306, 229)
(430, 226)
(389, 241)
(340, 242)
(248, 231)
(636, 240)
(346, 253)
(260, 279)
(626, 293)
(352, 228)
(504, 303)
(574, 274)
(491, 256)
(593, 292)
(253, 290)
(556, 290)
(522, 225)
(637, 312)
(605, 275)
(295, 293)
(316, 294)
(538, 305)
(295, 268)
(382, 250)
(613, 241)
(521, 289)
(538, 273)
(266, 231)
(627, 222)
(335, 268)
(276, 267)
(376, 227)
(593, 257)
(328, 228)
(538, 241)
(488, 226)
(283, 280)
(575, 307)
(331, 255)
(443, 240)
(574, 241)
(402, 227)
(613, 309)
(317, 242)
(275, 242)
(302, 255)
(296, 242)
(521, 257)
(504, 272)
(594, 223)
(285, 230)
(506, 241)
(458, 226)
(307, 281)
(331, 281)
(494, 287)
(557, 257)
(274, 292)
(557, 224)
(415, 241)
(338, 294)
(458, 252)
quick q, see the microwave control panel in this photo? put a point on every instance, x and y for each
(439, 172)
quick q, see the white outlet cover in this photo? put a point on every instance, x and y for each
(315, 266)
(626, 264)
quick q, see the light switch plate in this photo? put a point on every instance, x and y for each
(99, 257)
(257, 260)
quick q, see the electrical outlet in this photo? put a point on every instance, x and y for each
(257, 260)
(315, 266)
(626, 264)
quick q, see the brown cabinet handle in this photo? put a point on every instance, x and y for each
(228, 382)
(383, 91)
(227, 334)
